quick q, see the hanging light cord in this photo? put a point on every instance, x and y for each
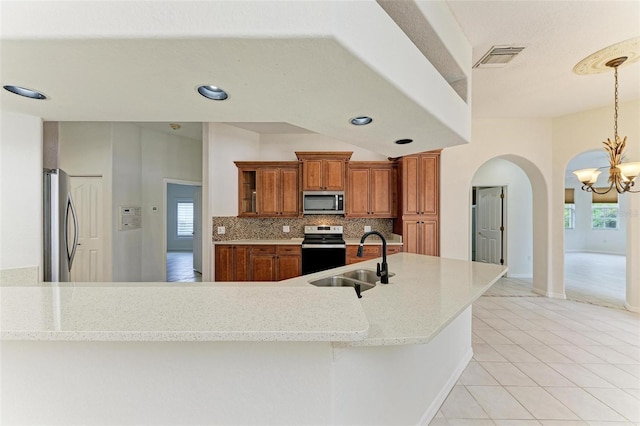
(615, 114)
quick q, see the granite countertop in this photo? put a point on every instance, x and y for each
(191, 312)
(297, 241)
(423, 297)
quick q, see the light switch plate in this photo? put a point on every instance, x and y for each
(286, 228)
(221, 230)
(367, 228)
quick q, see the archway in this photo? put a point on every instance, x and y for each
(595, 237)
(527, 240)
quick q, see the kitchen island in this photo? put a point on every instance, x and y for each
(241, 353)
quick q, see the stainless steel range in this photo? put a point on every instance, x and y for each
(323, 248)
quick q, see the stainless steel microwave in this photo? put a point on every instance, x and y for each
(323, 202)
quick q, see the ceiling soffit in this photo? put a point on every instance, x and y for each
(310, 64)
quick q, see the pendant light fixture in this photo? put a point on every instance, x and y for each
(622, 176)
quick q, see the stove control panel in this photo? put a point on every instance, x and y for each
(323, 229)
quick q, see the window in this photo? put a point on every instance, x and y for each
(604, 216)
(569, 209)
(569, 216)
(185, 218)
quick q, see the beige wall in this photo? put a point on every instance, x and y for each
(21, 189)
(524, 142)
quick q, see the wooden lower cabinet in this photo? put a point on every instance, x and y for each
(262, 263)
(421, 236)
(231, 263)
(288, 262)
(369, 252)
(275, 262)
(257, 262)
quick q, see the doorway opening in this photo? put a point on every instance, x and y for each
(501, 230)
(183, 231)
(595, 238)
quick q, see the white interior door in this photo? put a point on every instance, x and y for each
(197, 229)
(489, 225)
(88, 263)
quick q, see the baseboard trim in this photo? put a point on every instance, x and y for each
(630, 308)
(596, 252)
(432, 410)
(519, 276)
(549, 294)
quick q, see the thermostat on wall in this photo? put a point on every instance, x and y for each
(129, 218)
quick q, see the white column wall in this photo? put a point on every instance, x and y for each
(127, 191)
(21, 189)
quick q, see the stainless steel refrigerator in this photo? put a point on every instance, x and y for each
(60, 226)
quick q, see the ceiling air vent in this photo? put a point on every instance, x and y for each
(498, 56)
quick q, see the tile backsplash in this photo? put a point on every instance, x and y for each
(271, 228)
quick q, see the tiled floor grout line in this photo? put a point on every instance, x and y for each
(563, 321)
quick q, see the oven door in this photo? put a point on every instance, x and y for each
(320, 257)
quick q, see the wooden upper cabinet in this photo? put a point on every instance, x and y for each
(420, 184)
(268, 189)
(323, 171)
(371, 189)
(430, 183)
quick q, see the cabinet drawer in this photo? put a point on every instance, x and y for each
(394, 249)
(263, 249)
(368, 251)
(286, 249)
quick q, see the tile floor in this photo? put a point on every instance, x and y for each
(542, 361)
(596, 278)
(180, 267)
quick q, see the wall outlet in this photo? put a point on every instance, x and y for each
(367, 228)
(221, 230)
(286, 228)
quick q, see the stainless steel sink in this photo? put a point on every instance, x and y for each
(366, 275)
(360, 279)
(341, 281)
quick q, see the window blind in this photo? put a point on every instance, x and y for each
(185, 219)
(610, 197)
(568, 195)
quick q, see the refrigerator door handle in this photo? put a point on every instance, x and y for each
(71, 207)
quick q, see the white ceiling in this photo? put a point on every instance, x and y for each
(284, 70)
(557, 35)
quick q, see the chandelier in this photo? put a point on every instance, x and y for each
(621, 175)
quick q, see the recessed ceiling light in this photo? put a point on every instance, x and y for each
(404, 141)
(361, 121)
(23, 91)
(213, 92)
